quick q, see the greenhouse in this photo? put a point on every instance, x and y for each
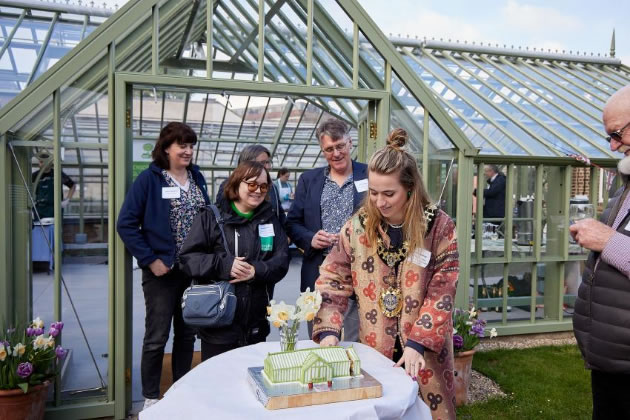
(92, 87)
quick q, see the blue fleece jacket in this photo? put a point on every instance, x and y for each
(144, 223)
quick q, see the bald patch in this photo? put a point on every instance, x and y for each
(618, 105)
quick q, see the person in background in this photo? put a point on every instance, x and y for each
(262, 256)
(324, 199)
(398, 254)
(154, 220)
(44, 180)
(494, 194)
(260, 154)
(601, 320)
(284, 188)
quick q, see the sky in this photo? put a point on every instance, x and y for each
(570, 25)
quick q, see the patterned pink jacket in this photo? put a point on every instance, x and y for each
(428, 292)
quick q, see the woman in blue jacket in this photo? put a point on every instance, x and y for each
(153, 222)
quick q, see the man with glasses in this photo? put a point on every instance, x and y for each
(601, 321)
(324, 199)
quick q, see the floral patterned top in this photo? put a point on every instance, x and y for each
(183, 209)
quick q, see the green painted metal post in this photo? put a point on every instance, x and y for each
(122, 293)
(355, 56)
(509, 215)
(464, 222)
(261, 40)
(111, 216)
(155, 39)
(6, 287)
(309, 43)
(425, 145)
(209, 37)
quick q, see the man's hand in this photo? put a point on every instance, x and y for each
(329, 341)
(158, 268)
(591, 234)
(241, 271)
(413, 361)
(324, 239)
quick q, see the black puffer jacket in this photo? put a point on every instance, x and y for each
(203, 258)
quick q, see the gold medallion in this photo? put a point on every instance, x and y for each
(391, 302)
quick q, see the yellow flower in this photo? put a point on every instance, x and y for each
(3, 353)
(50, 342)
(38, 323)
(19, 350)
(308, 316)
(40, 342)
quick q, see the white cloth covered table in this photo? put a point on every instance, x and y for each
(218, 389)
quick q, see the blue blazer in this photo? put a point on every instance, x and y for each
(305, 219)
(144, 224)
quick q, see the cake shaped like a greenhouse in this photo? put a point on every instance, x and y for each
(314, 365)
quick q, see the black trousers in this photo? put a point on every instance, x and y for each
(610, 395)
(209, 350)
(162, 299)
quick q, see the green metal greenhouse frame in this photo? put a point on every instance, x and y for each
(103, 82)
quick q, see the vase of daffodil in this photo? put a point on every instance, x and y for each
(288, 317)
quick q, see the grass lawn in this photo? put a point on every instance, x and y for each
(541, 383)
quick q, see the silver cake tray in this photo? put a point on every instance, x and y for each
(294, 394)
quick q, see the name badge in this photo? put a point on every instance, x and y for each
(421, 257)
(265, 231)
(361, 185)
(171, 192)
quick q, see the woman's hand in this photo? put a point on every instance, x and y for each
(329, 341)
(413, 361)
(241, 271)
(158, 268)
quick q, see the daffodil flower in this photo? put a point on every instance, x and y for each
(18, 350)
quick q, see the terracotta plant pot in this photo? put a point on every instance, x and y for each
(463, 368)
(16, 405)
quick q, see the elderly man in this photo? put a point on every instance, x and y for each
(324, 199)
(601, 321)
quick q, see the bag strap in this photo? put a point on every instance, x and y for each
(217, 215)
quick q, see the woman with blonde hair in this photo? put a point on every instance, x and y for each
(398, 254)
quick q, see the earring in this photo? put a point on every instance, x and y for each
(408, 194)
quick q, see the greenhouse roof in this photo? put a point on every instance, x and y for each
(502, 101)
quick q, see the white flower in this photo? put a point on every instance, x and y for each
(280, 314)
(40, 342)
(454, 330)
(307, 313)
(3, 353)
(38, 323)
(493, 333)
(50, 343)
(18, 350)
(472, 313)
(308, 298)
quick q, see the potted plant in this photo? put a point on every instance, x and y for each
(287, 317)
(468, 329)
(28, 361)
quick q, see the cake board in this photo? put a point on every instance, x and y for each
(294, 394)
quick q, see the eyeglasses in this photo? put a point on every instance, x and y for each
(618, 134)
(253, 187)
(338, 147)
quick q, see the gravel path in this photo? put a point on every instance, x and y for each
(483, 388)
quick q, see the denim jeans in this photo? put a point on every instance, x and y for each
(162, 299)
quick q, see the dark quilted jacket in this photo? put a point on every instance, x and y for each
(601, 321)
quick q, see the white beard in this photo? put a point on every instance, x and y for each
(624, 166)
